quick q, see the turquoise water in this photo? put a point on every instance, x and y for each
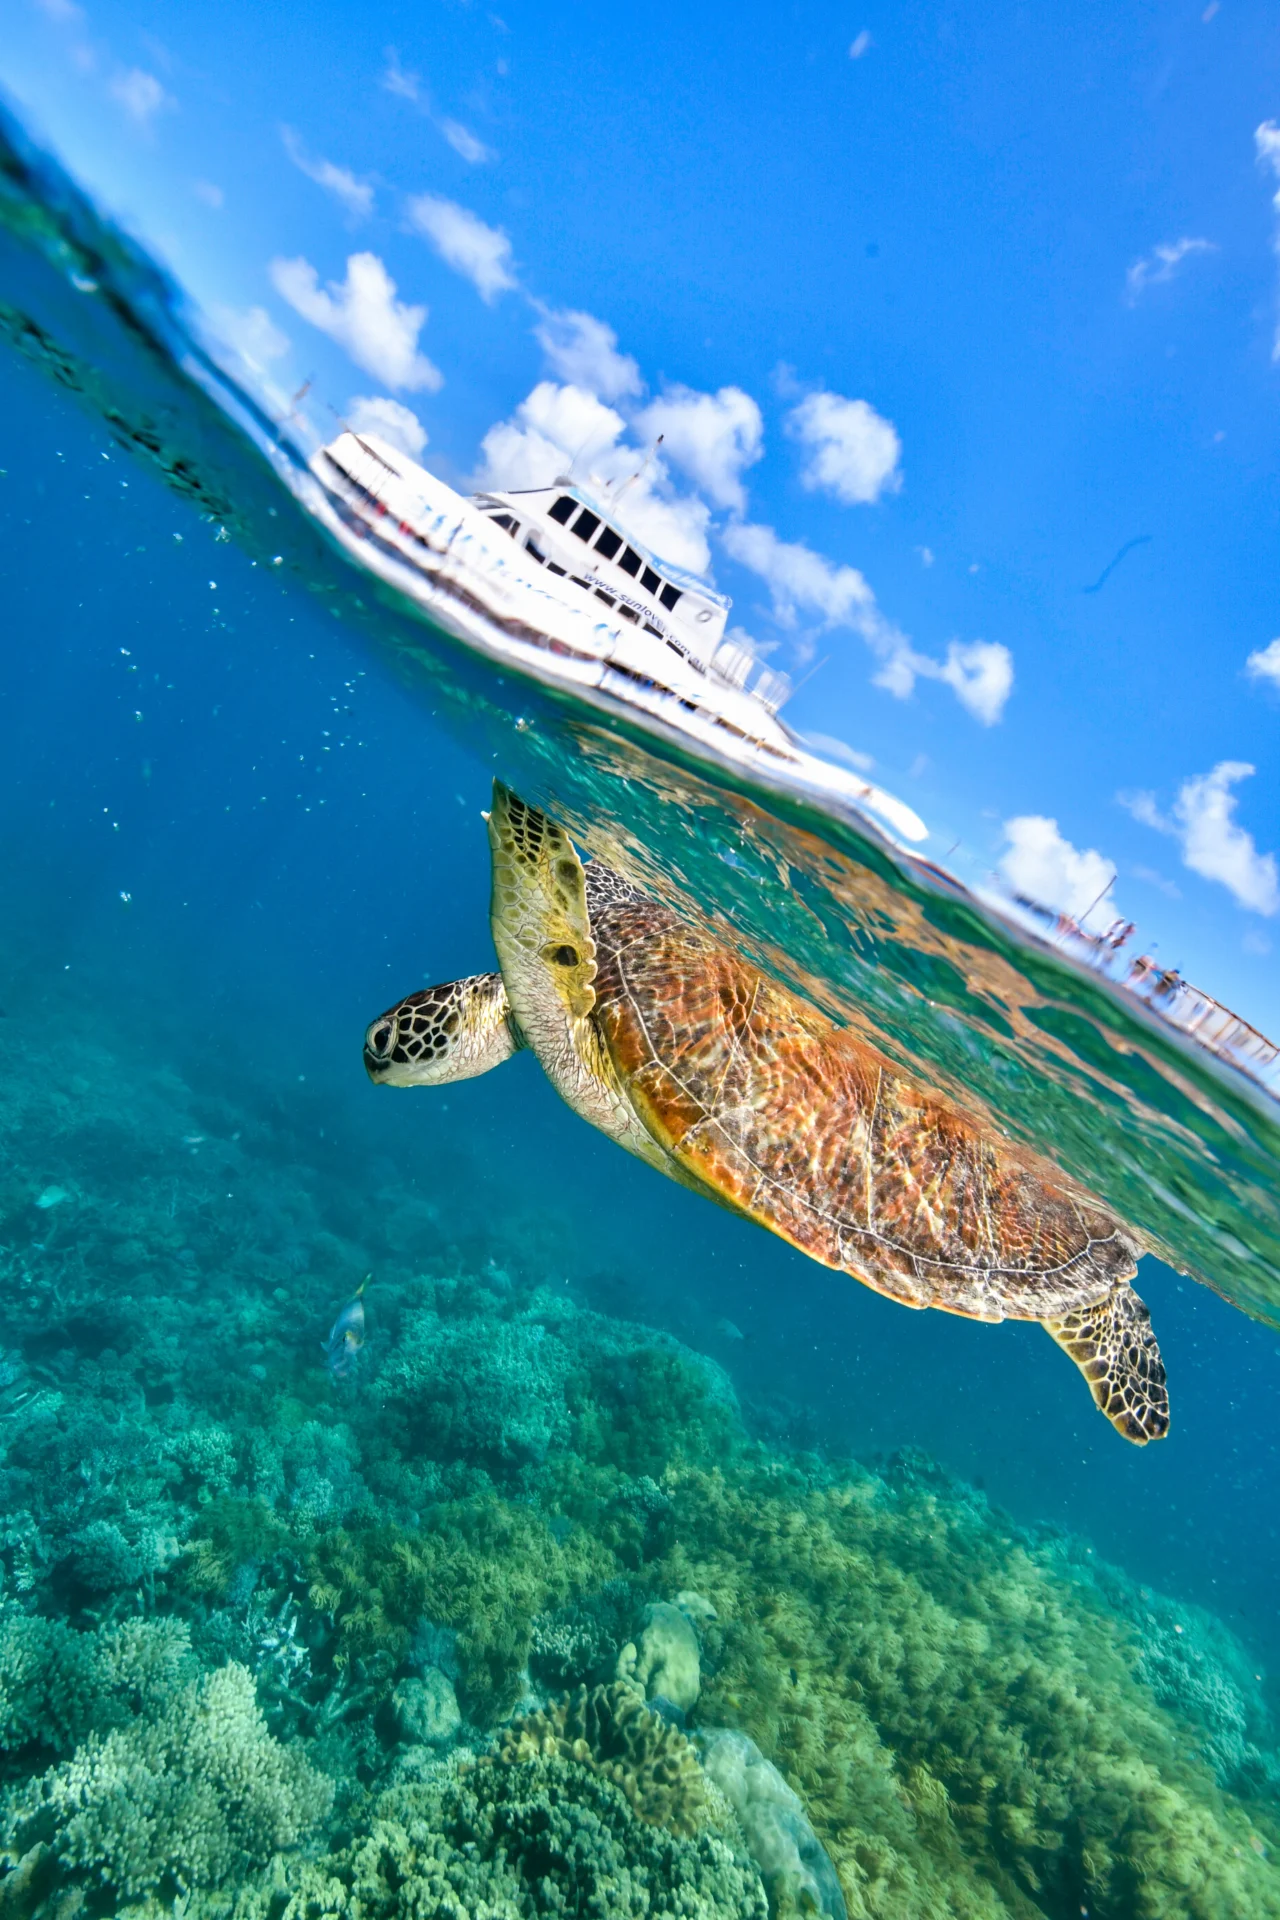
(1008, 1664)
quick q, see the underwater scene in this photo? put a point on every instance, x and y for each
(413, 1507)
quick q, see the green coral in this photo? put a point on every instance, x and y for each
(493, 1390)
(612, 1731)
(193, 1798)
(57, 1684)
(891, 1644)
(486, 1567)
(516, 1842)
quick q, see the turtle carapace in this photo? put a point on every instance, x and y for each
(722, 1079)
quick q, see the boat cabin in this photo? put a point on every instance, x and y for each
(564, 530)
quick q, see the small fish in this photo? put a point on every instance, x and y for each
(342, 1348)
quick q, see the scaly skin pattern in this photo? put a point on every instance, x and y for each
(542, 931)
(799, 1126)
(445, 1033)
(1112, 1344)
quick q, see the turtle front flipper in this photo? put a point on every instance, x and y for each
(1112, 1344)
(450, 1032)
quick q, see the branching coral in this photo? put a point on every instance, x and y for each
(56, 1685)
(190, 1799)
(47, 1681)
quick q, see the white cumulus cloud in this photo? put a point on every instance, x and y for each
(854, 451)
(713, 436)
(1213, 842)
(801, 580)
(1041, 863)
(362, 314)
(1265, 663)
(1161, 264)
(140, 94)
(558, 427)
(583, 352)
(979, 672)
(481, 254)
(391, 420)
(355, 195)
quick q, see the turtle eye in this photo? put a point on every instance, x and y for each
(381, 1039)
(564, 956)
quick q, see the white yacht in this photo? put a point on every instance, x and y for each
(549, 581)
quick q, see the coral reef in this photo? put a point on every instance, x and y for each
(611, 1730)
(666, 1664)
(489, 1391)
(946, 1701)
(426, 1710)
(536, 1837)
(192, 1798)
(263, 1634)
(57, 1684)
(797, 1873)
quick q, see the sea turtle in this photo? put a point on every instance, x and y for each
(691, 1058)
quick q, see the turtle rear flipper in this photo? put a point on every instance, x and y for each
(1112, 1344)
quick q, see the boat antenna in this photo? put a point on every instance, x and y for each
(1098, 902)
(295, 403)
(641, 469)
(808, 676)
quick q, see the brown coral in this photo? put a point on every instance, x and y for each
(611, 1730)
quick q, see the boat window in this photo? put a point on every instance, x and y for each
(586, 523)
(531, 546)
(649, 580)
(606, 597)
(563, 508)
(578, 581)
(608, 543)
(649, 628)
(553, 568)
(630, 561)
(629, 613)
(669, 596)
(507, 520)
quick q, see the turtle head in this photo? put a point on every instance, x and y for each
(450, 1032)
(541, 927)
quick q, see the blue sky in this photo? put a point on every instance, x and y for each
(942, 312)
